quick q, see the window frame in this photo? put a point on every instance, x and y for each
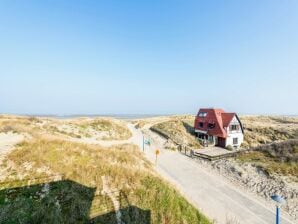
(236, 127)
(203, 114)
(211, 125)
(234, 141)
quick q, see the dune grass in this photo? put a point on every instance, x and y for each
(116, 129)
(260, 130)
(19, 124)
(278, 158)
(99, 128)
(84, 165)
(178, 130)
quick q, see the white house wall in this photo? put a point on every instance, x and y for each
(229, 140)
(234, 134)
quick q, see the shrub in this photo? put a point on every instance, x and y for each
(280, 158)
(229, 147)
(244, 145)
(282, 151)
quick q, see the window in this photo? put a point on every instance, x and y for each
(234, 127)
(235, 141)
(210, 138)
(211, 125)
(201, 136)
(201, 124)
(203, 114)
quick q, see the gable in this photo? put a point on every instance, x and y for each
(227, 118)
(236, 121)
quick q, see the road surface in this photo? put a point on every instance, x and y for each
(212, 194)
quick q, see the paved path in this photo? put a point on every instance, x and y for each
(211, 193)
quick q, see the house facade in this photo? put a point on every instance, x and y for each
(217, 127)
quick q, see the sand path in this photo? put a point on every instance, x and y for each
(8, 141)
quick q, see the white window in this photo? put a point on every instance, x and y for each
(203, 114)
(234, 127)
(235, 141)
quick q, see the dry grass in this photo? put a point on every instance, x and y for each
(75, 161)
(99, 128)
(85, 165)
(179, 130)
(260, 130)
(116, 130)
(75, 196)
(23, 125)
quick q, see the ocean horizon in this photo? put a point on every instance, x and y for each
(118, 116)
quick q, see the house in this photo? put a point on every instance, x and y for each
(216, 127)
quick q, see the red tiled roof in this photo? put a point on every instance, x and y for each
(226, 118)
(218, 117)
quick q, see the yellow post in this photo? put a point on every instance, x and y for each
(156, 154)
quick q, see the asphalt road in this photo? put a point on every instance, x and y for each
(212, 194)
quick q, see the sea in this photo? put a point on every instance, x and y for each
(118, 116)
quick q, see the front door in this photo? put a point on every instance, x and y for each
(221, 142)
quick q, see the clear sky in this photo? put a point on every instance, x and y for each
(169, 56)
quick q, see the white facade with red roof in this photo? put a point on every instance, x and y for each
(216, 127)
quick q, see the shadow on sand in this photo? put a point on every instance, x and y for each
(64, 202)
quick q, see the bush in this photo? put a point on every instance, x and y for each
(229, 147)
(282, 151)
(244, 145)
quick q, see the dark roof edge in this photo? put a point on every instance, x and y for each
(240, 123)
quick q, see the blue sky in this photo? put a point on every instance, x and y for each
(98, 57)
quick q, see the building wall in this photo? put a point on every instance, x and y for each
(230, 137)
(234, 134)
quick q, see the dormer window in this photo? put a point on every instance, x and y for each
(211, 125)
(202, 114)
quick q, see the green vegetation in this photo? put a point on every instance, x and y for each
(56, 202)
(77, 197)
(173, 208)
(229, 147)
(277, 158)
